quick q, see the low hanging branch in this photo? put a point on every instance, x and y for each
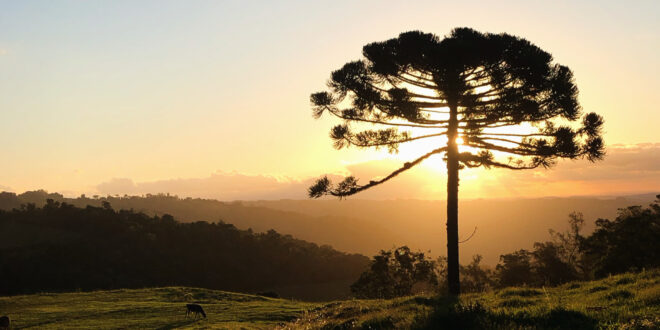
(469, 237)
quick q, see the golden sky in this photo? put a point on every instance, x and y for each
(98, 94)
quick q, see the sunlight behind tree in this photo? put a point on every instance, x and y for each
(469, 85)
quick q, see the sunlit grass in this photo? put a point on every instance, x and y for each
(148, 309)
(623, 301)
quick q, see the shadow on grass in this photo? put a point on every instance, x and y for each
(178, 324)
(90, 315)
(448, 313)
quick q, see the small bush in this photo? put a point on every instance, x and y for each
(624, 280)
(560, 318)
(422, 301)
(378, 323)
(348, 324)
(348, 312)
(524, 292)
(515, 302)
(619, 294)
(597, 289)
(650, 295)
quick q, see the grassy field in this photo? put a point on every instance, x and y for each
(628, 301)
(160, 308)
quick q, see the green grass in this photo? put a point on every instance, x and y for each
(627, 301)
(162, 308)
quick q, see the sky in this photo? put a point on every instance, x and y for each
(211, 98)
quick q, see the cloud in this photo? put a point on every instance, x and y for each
(626, 169)
(240, 186)
(118, 186)
(220, 185)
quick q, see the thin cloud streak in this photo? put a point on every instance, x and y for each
(627, 169)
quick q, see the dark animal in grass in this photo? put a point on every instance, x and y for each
(4, 322)
(195, 310)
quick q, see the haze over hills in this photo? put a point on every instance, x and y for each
(366, 226)
(503, 225)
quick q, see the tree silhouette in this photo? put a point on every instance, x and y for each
(472, 85)
(515, 269)
(394, 273)
(627, 243)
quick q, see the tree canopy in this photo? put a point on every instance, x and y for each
(504, 97)
(627, 243)
(395, 273)
(492, 80)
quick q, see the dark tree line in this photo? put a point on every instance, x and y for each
(629, 243)
(61, 247)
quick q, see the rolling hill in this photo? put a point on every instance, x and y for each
(60, 247)
(626, 301)
(367, 226)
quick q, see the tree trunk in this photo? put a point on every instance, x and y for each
(452, 205)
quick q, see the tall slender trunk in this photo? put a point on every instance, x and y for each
(452, 203)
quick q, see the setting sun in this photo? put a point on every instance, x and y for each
(419, 164)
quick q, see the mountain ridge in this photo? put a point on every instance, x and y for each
(367, 226)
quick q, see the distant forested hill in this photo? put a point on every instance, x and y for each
(61, 247)
(366, 226)
(351, 234)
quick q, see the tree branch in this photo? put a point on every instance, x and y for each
(336, 113)
(349, 185)
(378, 144)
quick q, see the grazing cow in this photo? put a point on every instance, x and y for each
(4, 322)
(195, 309)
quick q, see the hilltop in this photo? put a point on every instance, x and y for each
(148, 309)
(622, 301)
(626, 301)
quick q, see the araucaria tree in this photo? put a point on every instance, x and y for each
(507, 101)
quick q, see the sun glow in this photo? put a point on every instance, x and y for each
(459, 140)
